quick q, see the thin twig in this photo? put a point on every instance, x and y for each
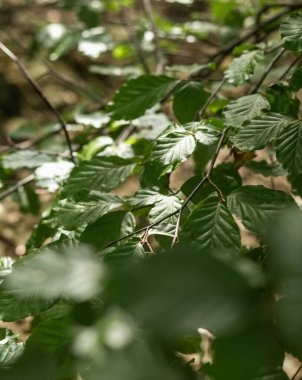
(297, 372)
(200, 185)
(134, 40)
(184, 205)
(290, 67)
(269, 68)
(17, 186)
(228, 48)
(161, 60)
(209, 100)
(40, 92)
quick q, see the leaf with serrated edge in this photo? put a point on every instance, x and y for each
(289, 148)
(256, 206)
(139, 94)
(99, 173)
(72, 215)
(242, 68)
(258, 132)
(166, 206)
(291, 32)
(173, 148)
(211, 225)
(108, 228)
(245, 108)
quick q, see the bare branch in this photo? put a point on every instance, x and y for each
(17, 186)
(161, 60)
(40, 92)
(267, 71)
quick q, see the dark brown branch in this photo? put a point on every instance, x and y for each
(269, 68)
(297, 372)
(17, 186)
(290, 67)
(40, 92)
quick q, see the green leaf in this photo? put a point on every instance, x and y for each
(51, 174)
(124, 251)
(257, 206)
(139, 94)
(257, 133)
(72, 215)
(25, 159)
(211, 225)
(173, 148)
(95, 119)
(10, 349)
(182, 281)
(16, 304)
(243, 67)
(188, 100)
(109, 228)
(291, 32)
(146, 197)
(289, 148)
(266, 169)
(51, 274)
(166, 206)
(224, 176)
(296, 80)
(6, 264)
(99, 173)
(244, 108)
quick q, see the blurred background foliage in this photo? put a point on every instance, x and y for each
(116, 321)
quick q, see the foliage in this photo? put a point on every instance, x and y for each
(117, 283)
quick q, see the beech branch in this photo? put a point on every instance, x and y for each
(206, 178)
(40, 92)
(17, 186)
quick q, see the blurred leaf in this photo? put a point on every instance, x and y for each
(200, 289)
(25, 159)
(243, 67)
(10, 349)
(73, 273)
(296, 80)
(95, 119)
(51, 175)
(291, 32)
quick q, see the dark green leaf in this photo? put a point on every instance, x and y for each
(257, 206)
(99, 173)
(289, 148)
(188, 100)
(242, 68)
(140, 94)
(109, 228)
(257, 133)
(245, 108)
(211, 225)
(291, 32)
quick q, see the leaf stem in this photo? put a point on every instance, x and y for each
(269, 68)
(186, 202)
